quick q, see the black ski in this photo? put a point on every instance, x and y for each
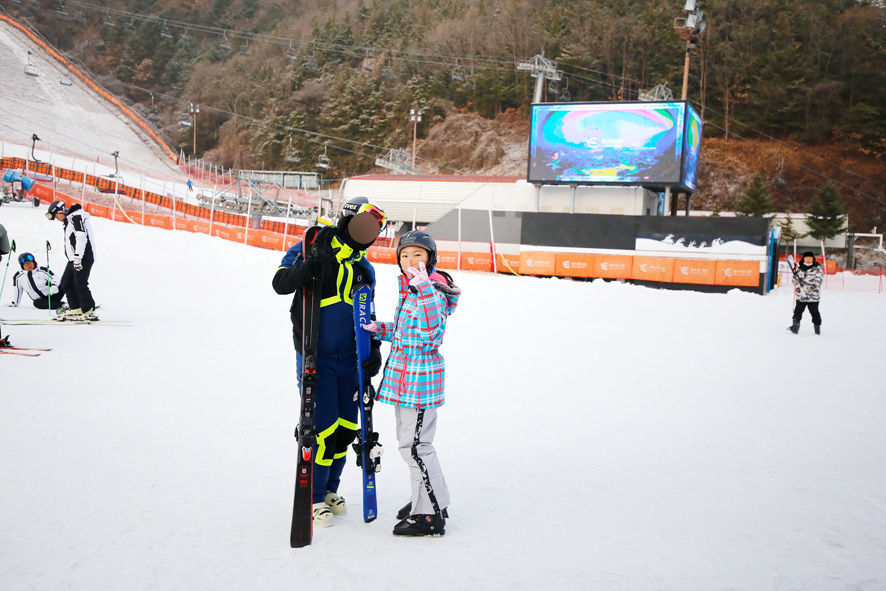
(302, 506)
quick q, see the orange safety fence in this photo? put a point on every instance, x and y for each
(101, 91)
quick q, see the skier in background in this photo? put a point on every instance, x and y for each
(38, 282)
(340, 251)
(427, 298)
(807, 286)
(80, 250)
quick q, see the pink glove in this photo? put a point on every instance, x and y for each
(419, 275)
(371, 327)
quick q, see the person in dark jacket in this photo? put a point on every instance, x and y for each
(80, 250)
(807, 287)
(340, 251)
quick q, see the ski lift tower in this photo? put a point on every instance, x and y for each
(540, 68)
(397, 161)
(689, 29)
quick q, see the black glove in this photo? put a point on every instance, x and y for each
(320, 250)
(372, 365)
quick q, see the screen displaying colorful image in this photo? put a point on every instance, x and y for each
(691, 148)
(607, 143)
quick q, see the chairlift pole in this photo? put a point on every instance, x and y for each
(194, 109)
(415, 117)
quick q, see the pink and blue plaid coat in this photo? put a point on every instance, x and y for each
(415, 372)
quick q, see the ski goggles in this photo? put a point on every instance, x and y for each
(375, 211)
(26, 258)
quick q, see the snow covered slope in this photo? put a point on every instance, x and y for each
(595, 436)
(69, 120)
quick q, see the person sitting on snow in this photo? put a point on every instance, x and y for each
(38, 282)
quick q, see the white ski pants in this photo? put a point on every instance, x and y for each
(415, 439)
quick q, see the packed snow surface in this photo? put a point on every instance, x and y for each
(595, 436)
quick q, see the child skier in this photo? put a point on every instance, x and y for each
(38, 282)
(414, 378)
(807, 285)
(340, 252)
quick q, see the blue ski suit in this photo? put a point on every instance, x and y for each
(336, 411)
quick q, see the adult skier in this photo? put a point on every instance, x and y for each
(414, 378)
(340, 252)
(807, 286)
(80, 250)
(37, 282)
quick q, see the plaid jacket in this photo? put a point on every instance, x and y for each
(415, 372)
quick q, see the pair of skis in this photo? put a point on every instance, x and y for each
(24, 351)
(367, 446)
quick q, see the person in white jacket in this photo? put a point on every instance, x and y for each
(80, 250)
(38, 283)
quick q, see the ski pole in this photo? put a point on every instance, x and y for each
(48, 279)
(2, 285)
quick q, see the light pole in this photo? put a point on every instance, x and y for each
(193, 110)
(415, 117)
(689, 29)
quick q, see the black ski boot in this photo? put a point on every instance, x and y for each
(406, 509)
(421, 525)
(4, 342)
(795, 327)
(817, 328)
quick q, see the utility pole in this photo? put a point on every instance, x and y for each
(540, 68)
(415, 117)
(689, 29)
(193, 110)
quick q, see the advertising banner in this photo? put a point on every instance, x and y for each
(537, 263)
(613, 266)
(695, 271)
(744, 273)
(652, 269)
(575, 265)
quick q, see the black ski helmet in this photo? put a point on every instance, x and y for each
(350, 209)
(54, 208)
(420, 239)
(26, 257)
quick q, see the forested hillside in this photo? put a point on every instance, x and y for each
(792, 89)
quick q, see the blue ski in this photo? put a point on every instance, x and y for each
(367, 439)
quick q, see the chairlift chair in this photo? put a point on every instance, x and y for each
(108, 21)
(566, 96)
(244, 49)
(469, 82)
(184, 41)
(16, 1)
(60, 9)
(225, 43)
(130, 28)
(164, 32)
(290, 53)
(323, 160)
(80, 18)
(387, 74)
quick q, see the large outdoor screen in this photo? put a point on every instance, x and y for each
(691, 148)
(614, 143)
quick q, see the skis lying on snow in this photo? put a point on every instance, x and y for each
(27, 321)
(302, 504)
(6, 351)
(24, 349)
(367, 447)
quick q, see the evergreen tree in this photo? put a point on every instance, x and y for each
(825, 217)
(788, 233)
(756, 201)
